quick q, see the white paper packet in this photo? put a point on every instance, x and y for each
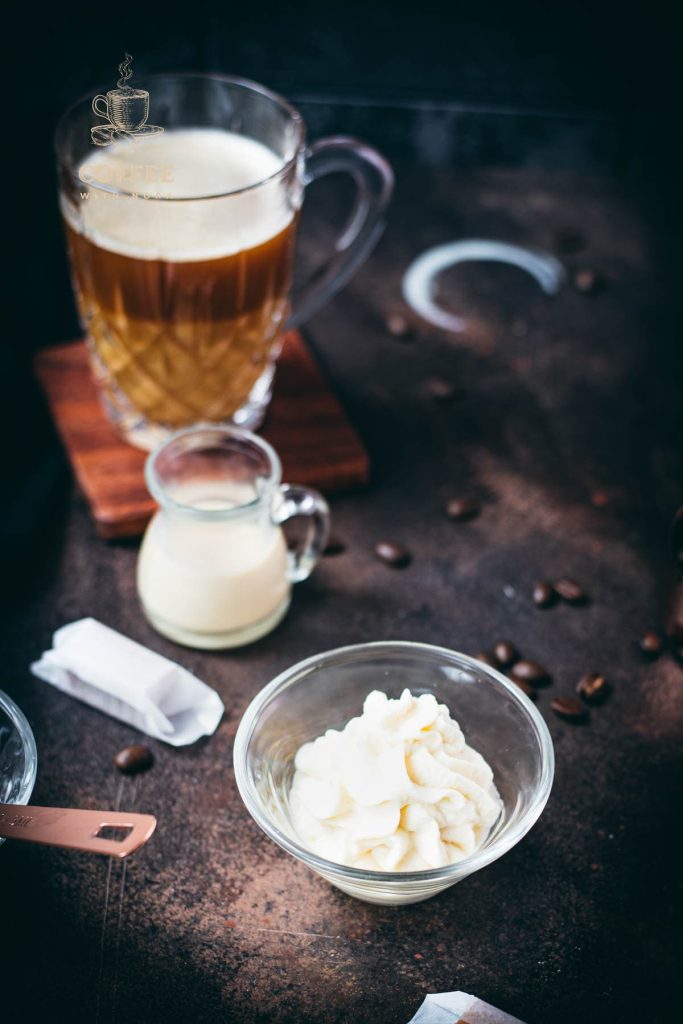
(450, 1007)
(110, 672)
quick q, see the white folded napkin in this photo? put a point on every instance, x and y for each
(102, 668)
(449, 1007)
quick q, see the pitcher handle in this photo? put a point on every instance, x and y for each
(293, 500)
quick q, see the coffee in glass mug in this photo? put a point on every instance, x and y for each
(181, 241)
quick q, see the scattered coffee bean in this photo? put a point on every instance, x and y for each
(570, 591)
(530, 672)
(588, 282)
(398, 325)
(441, 390)
(593, 687)
(505, 652)
(569, 708)
(526, 689)
(392, 554)
(543, 594)
(569, 240)
(334, 546)
(462, 509)
(599, 499)
(133, 760)
(488, 659)
(651, 643)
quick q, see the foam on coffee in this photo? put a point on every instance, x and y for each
(186, 165)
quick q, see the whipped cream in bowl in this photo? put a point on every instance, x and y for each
(393, 769)
(398, 789)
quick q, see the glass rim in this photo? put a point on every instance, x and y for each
(28, 742)
(247, 84)
(166, 502)
(484, 855)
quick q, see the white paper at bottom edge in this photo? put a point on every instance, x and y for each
(449, 1007)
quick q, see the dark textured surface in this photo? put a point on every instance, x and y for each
(562, 398)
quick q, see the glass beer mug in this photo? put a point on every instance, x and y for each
(181, 240)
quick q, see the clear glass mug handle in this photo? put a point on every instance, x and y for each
(293, 500)
(374, 180)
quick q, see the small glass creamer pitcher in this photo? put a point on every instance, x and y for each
(214, 569)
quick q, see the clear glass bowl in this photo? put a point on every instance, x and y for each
(325, 691)
(18, 755)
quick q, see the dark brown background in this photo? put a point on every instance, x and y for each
(507, 123)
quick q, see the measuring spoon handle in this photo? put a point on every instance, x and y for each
(77, 829)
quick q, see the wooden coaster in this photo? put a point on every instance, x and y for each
(305, 424)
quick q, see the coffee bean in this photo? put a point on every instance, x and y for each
(526, 689)
(441, 390)
(530, 672)
(460, 510)
(593, 687)
(569, 708)
(505, 652)
(588, 282)
(651, 643)
(543, 594)
(488, 659)
(398, 326)
(133, 760)
(569, 240)
(394, 555)
(334, 546)
(570, 591)
(599, 499)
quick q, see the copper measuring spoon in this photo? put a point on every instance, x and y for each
(113, 833)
